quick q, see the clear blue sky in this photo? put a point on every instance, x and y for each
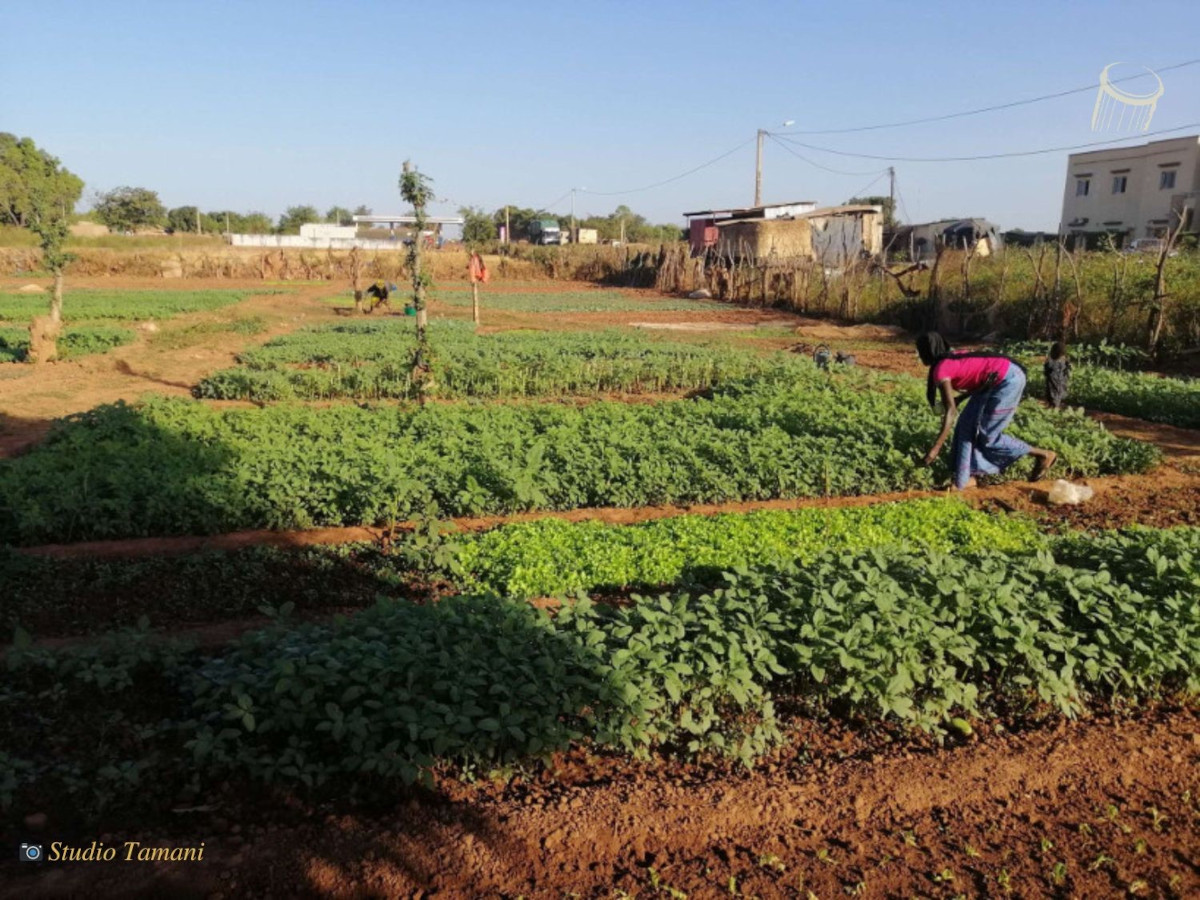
(261, 105)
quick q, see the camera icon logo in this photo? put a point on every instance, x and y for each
(31, 853)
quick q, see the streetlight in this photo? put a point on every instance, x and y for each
(762, 132)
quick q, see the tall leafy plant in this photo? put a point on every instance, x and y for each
(417, 190)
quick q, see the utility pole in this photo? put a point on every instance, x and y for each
(572, 236)
(892, 192)
(507, 232)
(758, 169)
(762, 133)
(197, 220)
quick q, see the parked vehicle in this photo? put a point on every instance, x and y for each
(545, 231)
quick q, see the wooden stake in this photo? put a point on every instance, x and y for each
(475, 301)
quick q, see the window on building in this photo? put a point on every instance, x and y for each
(1081, 186)
(1166, 180)
(1119, 182)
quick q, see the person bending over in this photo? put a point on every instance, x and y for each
(994, 385)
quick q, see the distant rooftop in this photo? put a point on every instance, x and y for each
(741, 211)
(407, 220)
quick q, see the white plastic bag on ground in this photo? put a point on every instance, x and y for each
(1063, 492)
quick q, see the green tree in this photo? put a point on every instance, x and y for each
(478, 226)
(295, 216)
(255, 223)
(519, 220)
(32, 181)
(182, 219)
(218, 219)
(339, 215)
(47, 196)
(888, 204)
(130, 208)
(362, 210)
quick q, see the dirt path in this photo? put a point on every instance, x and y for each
(1100, 808)
(169, 361)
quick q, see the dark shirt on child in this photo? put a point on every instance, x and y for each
(1058, 373)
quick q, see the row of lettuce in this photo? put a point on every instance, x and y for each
(172, 466)
(51, 596)
(899, 632)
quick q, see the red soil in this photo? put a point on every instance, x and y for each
(1107, 807)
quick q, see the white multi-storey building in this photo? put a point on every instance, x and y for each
(1133, 192)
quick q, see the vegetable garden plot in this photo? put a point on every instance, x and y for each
(84, 304)
(52, 596)
(178, 467)
(476, 682)
(1105, 377)
(550, 556)
(574, 301)
(73, 342)
(1143, 395)
(90, 315)
(373, 360)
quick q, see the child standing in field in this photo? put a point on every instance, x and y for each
(1058, 373)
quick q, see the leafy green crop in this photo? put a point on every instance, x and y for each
(1143, 395)
(51, 596)
(572, 301)
(475, 682)
(1099, 382)
(172, 466)
(83, 304)
(73, 342)
(373, 360)
(1109, 356)
(551, 556)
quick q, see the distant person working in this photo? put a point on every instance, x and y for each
(379, 293)
(994, 385)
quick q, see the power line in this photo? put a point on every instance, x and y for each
(983, 156)
(862, 191)
(811, 162)
(903, 206)
(987, 109)
(704, 165)
(550, 206)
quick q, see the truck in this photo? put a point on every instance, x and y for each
(545, 231)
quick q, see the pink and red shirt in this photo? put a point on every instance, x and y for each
(968, 373)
